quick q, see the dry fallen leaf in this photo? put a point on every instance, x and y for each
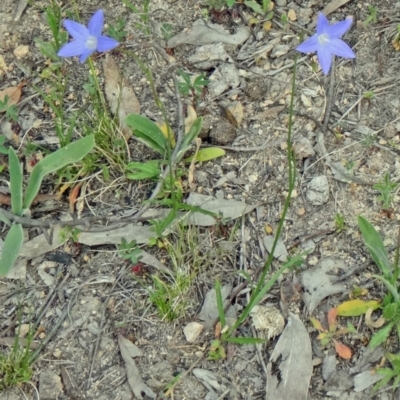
(120, 96)
(73, 196)
(370, 322)
(342, 350)
(290, 366)
(233, 113)
(13, 93)
(139, 388)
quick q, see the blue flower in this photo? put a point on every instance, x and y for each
(87, 40)
(326, 42)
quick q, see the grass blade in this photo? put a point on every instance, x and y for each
(15, 181)
(220, 303)
(12, 246)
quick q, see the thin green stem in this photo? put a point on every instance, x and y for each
(292, 180)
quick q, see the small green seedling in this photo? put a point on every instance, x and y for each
(331, 334)
(340, 223)
(194, 87)
(386, 189)
(129, 251)
(10, 109)
(372, 16)
(390, 373)
(117, 31)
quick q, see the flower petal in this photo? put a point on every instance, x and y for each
(105, 43)
(77, 31)
(309, 46)
(85, 55)
(322, 24)
(324, 58)
(339, 29)
(341, 49)
(96, 23)
(71, 49)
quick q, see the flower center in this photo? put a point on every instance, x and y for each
(323, 39)
(91, 42)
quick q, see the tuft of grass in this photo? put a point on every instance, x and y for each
(15, 364)
(188, 257)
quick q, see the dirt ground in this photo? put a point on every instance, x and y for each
(93, 293)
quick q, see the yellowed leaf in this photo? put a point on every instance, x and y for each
(317, 324)
(356, 307)
(292, 15)
(120, 96)
(191, 117)
(167, 132)
(267, 25)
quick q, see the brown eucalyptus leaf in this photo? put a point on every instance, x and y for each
(13, 93)
(119, 94)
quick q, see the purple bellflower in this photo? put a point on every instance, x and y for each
(326, 42)
(87, 40)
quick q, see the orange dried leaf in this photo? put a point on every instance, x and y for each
(342, 350)
(217, 331)
(332, 314)
(356, 307)
(73, 196)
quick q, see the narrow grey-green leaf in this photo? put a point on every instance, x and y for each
(12, 246)
(375, 246)
(15, 181)
(69, 154)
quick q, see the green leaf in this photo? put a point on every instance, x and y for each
(244, 340)
(254, 6)
(375, 246)
(220, 303)
(12, 246)
(69, 154)
(209, 153)
(15, 181)
(148, 132)
(138, 171)
(380, 336)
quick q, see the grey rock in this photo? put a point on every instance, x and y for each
(50, 386)
(318, 190)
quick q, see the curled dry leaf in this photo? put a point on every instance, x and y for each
(120, 96)
(373, 324)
